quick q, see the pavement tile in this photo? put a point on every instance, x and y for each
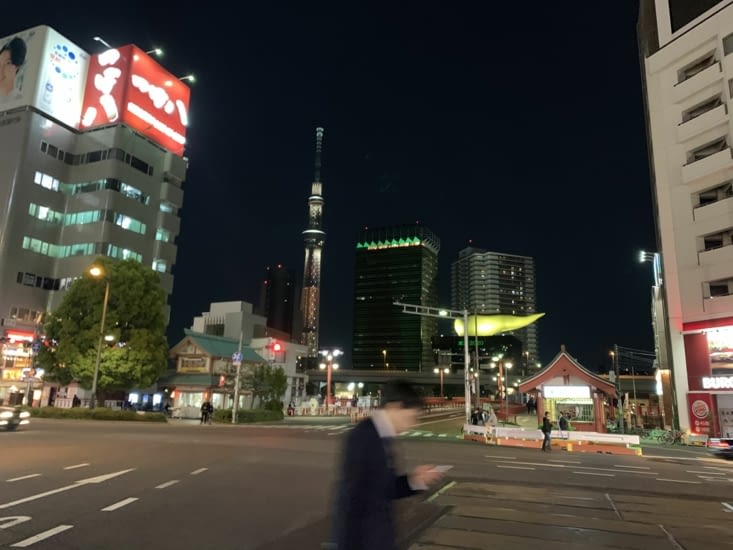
(582, 508)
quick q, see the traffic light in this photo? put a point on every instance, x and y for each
(276, 347)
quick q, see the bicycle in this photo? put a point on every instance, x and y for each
(670, 437)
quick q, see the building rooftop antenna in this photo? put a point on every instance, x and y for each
(319, 146)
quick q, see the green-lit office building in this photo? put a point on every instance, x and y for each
(396, 263)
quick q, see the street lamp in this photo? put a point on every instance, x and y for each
(384, 354)
(329, 365)
(102, 41)
(427, 311)
(442, 371)
(97, 272)
(188, 77)
(157, 51)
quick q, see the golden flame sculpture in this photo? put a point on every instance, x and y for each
(491, 325)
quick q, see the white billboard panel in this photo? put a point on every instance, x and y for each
(39, 67)
(20, 58)
(61, 79)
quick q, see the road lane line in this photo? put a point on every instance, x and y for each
(727, 506)
(443, 489)
(499, 457)
(613, 505)
(166, 484)
(577, 498)
(75, 466)
(566, 461)
(41, 536)
(515, 467)
(678, 480)
(11, 480)
(80, 483)
(594, 474)
(637, 473)
(632, 467)
(711, 474)
(120, 504)
(197, 472)
(671, 539)
(597, 469)
(534, 464)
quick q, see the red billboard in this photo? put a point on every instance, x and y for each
(127, 85)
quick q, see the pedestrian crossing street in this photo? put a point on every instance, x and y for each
(335, 429)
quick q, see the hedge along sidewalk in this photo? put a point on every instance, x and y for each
(79, 413)
(247, 416)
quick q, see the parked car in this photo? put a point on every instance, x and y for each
(721, 447)
(12, 417)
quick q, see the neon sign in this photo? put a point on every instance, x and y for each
(127, 85)
(717, 382)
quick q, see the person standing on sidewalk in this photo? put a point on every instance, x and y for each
(363, 515)
(562, 425)
(546, 431)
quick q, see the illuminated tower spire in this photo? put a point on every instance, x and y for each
(313, 237)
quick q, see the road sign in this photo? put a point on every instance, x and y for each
(36, 347)
(236, 358)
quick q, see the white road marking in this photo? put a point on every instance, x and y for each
(197, 472)
(41, 536)
(578, 498)
(534, 464)
(166, 484)
(515, 467)
(632, 467)
(594, 474)
(494, 457)
(710, 474)
(678, 480)
(75, 466)
(80, 483)
(415, 434)
(11, 521)
(437, 493)
(635, 472)
(21, 478)
(120, 504)
(429, 434)
(613, 505)
(442, 435)
(671, 539)
(566, 461)
(728, 507)
(598, 469)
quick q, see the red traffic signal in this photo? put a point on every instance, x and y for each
(276, 346)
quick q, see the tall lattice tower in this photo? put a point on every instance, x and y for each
(313, 237)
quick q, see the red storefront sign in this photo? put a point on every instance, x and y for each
(700, 409)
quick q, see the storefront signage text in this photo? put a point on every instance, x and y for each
(717, 382)
(565, 392)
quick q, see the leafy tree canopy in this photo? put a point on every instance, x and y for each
(136, 351)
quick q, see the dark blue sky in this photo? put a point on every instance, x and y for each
(522, 130)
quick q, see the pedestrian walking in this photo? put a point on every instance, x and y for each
(546, 431)
(207, 411)
(369, 482)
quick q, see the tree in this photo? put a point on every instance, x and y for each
(268, 383)
(136, 353)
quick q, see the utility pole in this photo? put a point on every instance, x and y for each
(237, 362)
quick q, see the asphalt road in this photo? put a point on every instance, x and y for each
(109, 485)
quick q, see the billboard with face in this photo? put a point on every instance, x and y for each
(127, 85)
(39, 67)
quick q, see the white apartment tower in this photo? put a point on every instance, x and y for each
(686, 49)
(91, 163)
(493, 283)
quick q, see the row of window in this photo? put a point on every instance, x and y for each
(79, 249)
(26, 315)
(114, 153)
(46, 283)
(49, 182)
(89, 216)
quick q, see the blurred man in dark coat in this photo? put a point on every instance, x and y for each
(368, 484)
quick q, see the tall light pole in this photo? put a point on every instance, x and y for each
(427, 311)
(97, 272)
(619, 415)
(441, 371)
(478, 361)
(384, 355)
(329, 365)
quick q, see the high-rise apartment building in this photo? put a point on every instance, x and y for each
(398, 263)
(686, 51)
(492, 283)
(277, 298)
(91, 163)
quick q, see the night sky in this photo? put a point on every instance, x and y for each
(520, 130)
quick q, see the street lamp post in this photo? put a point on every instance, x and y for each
(384, 355)
(329, 365)
(619, 416)
(441, 371)
(98, 272)
(427, 311)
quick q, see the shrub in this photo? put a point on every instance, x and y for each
(246, 416)
(274, 405)
(101, 413)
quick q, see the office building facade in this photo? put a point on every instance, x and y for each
(277, 298)
(91, 164)
(493, 283)
(687, 67)
(398, 263)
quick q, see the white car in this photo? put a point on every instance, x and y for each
(12, 417)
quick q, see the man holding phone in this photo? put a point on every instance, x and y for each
(369, 483)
